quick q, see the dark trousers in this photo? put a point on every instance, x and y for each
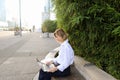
(47, 75)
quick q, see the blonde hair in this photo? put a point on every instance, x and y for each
(61, 33)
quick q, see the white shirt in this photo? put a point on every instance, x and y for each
(65, 56)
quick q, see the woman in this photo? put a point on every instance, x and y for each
(63, 61)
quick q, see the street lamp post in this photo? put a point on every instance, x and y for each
(20, 17)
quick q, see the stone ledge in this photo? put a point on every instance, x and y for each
(90, 71)
(85, 68)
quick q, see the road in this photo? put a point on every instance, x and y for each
(18, 55)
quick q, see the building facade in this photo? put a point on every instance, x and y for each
(48, 11)
(3, 22)
(2, 11)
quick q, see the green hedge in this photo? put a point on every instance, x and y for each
(49, 26)
(94, 30)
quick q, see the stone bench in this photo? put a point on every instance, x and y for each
(90, 71)
(75, 75)
(80, 70)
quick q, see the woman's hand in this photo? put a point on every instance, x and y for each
(53, 69)
(48, 62)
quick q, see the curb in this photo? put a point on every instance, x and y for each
(36, 76)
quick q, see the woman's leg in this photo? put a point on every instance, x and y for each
(44, 75)
(58, 73)
(47, 75)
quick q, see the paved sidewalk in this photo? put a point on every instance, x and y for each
(22, 65)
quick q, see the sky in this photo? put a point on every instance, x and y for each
(31, 11)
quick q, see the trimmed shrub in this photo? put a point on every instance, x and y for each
(49, 26)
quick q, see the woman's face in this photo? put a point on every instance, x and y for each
(58, 39)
